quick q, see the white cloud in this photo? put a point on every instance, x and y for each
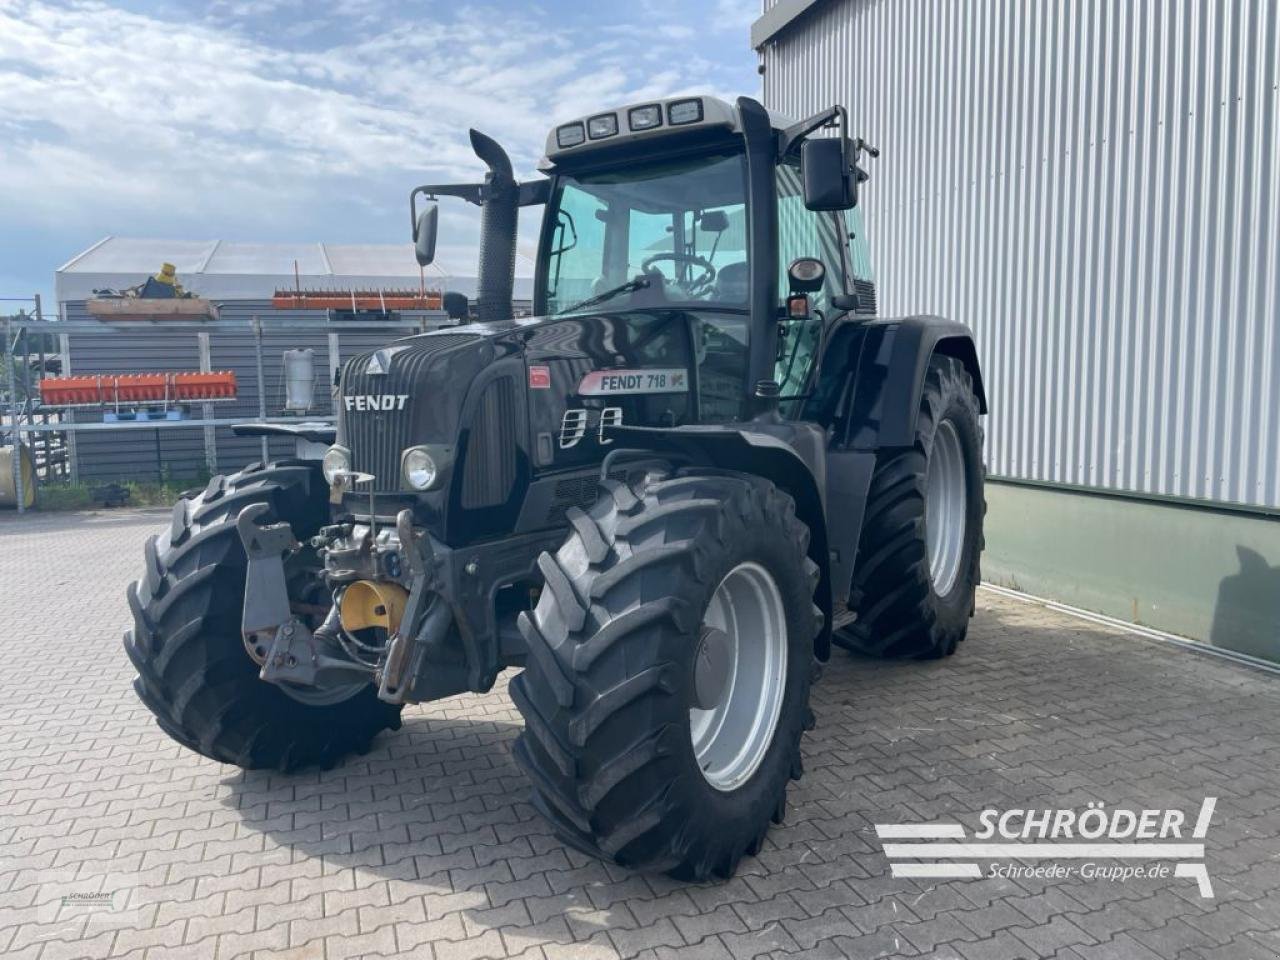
(736, 14)
(310, 120)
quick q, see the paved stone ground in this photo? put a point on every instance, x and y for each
(427, 846)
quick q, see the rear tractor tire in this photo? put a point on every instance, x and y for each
(194, 673)
(918, 563)
(667, 683)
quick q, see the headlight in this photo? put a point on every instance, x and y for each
(336, 460)
(420, 470)
(605, 125)
(645, 118)
(684, 111)
(570, 135)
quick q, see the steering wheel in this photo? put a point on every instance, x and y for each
(698, 283)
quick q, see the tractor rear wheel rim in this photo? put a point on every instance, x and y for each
(731, 737)
(946, 506)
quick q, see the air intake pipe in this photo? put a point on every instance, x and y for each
(498, 217)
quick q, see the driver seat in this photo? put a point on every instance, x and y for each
(732, 282)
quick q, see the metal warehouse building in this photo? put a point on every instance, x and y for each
(1094, 187)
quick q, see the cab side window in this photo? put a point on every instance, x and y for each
(806, 233)
(862, 279)
(803, 233)
(574, 266)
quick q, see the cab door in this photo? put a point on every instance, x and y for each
(804, 233)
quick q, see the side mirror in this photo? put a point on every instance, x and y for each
(828, 177)
(714, 221)
(424, 234)
(455, 305)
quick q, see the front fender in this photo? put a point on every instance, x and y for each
(791, 455)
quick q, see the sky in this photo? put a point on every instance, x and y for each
(309, 120)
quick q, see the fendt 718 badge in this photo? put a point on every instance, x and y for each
(600, 383)
(657, 502)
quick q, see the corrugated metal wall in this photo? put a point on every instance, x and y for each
(1094, 187)
(141, 454)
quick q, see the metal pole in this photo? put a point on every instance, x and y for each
(42, 440)
(206, 409)
(262, 382)
(69, 416)
(15, 461)
(26, 402)
(335, 364)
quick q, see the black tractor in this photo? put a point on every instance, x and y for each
(659, 501)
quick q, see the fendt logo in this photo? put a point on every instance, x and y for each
(376, 401)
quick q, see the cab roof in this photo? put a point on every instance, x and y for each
(646, 120)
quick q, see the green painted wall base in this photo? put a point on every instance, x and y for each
(1206, 574)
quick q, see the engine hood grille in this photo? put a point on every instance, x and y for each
(393, 397)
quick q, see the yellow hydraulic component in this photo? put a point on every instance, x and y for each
(367, 603)
(8, 492)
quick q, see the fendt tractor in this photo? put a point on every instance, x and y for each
(661, 499)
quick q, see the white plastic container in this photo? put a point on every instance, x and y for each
(299, 380)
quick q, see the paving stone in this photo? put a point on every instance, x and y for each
(927, 935)
(985, 921)
(1047, 939)
(631, 942)
(1002, 945)
(723, 919)
(871, 946)
(812, 931)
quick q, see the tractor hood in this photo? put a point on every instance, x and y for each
(512, 400)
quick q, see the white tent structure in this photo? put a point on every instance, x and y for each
(233, 270)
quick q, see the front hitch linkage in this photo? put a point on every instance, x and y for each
(294, 656)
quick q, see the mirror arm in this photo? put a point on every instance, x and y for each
(798, 131)
(471, 192)
(533, 192)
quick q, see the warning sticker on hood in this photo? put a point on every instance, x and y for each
(603, 383)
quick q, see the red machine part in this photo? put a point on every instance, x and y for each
(354, 300)
(133, 388)
(205, 386)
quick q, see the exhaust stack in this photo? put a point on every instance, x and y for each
(498, 218)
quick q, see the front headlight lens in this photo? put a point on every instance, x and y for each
(336, 460)
(420, 470)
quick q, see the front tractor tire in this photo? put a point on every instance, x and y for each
(194, 673)
(918, 563)
(667, 682)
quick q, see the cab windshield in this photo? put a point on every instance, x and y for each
(669, 233)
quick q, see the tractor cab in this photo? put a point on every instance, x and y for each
(697, 207)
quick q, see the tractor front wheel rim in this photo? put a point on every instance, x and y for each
(746, 620)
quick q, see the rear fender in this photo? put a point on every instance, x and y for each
(791, 455)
